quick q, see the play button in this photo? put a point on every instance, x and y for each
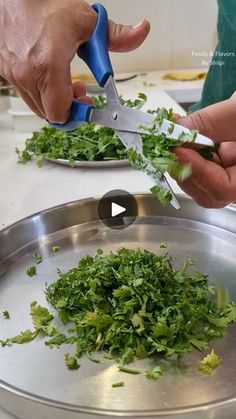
(118, 209)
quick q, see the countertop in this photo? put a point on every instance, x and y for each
(26, 189)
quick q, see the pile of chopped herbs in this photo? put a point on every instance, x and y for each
(132, 304)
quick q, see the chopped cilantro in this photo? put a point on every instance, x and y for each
(71, 362)
(209, 363)
(58, 339)
(134, 304)
(118, 384)
(171, 129)
(163, 195)
(31, 271)
(163, 245)
(131, 304)
(23, 337)
(230, 313)
(55, 249)
(42, 319)
(129, 370)
(155, 373)
(37, 258)
(6, 314)
(199, 344)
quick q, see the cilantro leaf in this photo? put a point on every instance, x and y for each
(199, 344)
(230, 313)
(209, 363)
(43, 320)
(55, 249)
(162, 194)
(23, 337)
(71, 362)
(40, 316)
(58, 339)
(155, 373)
(37, 258)
(31, 271)
(6, 314)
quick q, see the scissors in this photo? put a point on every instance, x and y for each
(127, 123)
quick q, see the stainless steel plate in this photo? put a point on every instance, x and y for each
(34, 382)
(92, 164)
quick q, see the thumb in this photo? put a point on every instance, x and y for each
(123, 38)
(217, 122)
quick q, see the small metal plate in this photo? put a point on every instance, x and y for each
(35, 383)
(92, 164)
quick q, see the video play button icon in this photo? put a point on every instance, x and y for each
(118, 209)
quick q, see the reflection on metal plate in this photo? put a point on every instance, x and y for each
(34, 382)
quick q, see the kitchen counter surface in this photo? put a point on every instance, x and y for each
(26, 189)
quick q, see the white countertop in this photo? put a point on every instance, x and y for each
(26, 189)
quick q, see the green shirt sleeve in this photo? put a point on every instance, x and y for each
(220, 83)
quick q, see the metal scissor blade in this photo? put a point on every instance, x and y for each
(134, 141)
(163, 182)
(119, 117)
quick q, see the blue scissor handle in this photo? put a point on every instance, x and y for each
(95, 54)
(79, 113)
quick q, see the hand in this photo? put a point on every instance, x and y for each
(212, 184)
(38, 40)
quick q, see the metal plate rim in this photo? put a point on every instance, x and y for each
(108, 412)
(85, 201)
(101, 164)
(82, 201)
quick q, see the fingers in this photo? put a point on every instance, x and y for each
(227, 153)
(123, 38)
(79, 92)
(208, 179)
(30, 102)
(79, 89)
(56, 92)
(217, 121)
(199, 196)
